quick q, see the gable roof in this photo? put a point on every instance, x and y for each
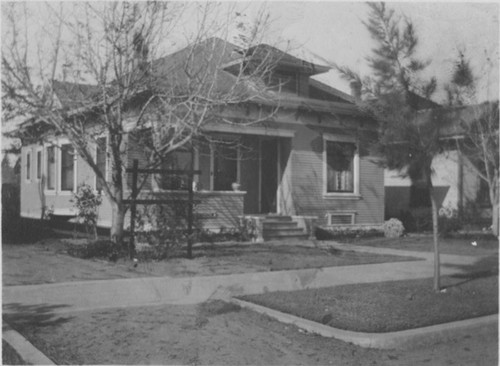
(211, 54)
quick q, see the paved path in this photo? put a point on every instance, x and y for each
(100, 294)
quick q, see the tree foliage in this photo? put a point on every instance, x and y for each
(394, 93)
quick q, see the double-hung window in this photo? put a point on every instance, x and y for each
(67, 168)
(341, 166)
(50, 166)
(179, 159)
(39, 164)
(28, 165)
(101, 161)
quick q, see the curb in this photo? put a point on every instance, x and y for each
(399, 339)
(27, 351)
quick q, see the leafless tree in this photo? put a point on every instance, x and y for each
(110, 57)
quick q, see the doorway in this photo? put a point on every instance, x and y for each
(268, 175)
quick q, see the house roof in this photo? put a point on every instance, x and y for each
(211, 54)
(454, 119)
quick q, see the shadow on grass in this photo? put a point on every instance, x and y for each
(482, 268)
(20, 316)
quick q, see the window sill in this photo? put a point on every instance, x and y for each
(340, 196)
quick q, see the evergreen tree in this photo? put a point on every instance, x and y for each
(394, 93)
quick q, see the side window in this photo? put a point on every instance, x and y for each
(28, 165)
(101, 160)
(50, 158)
(67, 167)
(39, 164)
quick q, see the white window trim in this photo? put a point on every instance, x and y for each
(60, 143)
(28, 173)
(106, 168)
(345, 195)
(341, 213)
(46, 167)
(39, 149)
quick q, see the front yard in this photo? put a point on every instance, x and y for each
(48, 262)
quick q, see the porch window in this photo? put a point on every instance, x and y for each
(176, 160)
(67, 168)
(39, 164)
(225, 166)
(28, 165)
(341, 166)
(51, 168)
(101, 160)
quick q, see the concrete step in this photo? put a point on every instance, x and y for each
(281, 225)
(277, 218)
(283, 233)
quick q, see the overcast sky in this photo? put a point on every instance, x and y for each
(334, 31)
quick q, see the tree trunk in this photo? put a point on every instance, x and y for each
(494, 218)
(435, 233)
(117, 222)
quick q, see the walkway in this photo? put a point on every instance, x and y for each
(100, 294)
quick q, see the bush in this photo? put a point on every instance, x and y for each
(393, 228)
(104, 249)
(345, 233)
(87, 203)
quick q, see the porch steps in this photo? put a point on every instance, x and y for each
(281, 227)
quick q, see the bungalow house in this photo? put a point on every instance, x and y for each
(305, 165)
(458, 187)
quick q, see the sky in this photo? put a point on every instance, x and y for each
(329, 32)
(333, 32)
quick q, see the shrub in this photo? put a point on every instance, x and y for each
(105, 249)
(87, 203)
(393, 228)
(345, 233)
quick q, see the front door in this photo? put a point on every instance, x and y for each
(269, 175)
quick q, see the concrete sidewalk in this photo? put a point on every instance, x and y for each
(100, 294)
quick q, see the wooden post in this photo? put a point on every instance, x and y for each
(190, 208)
(133, 209)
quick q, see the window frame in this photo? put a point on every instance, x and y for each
(59, 167)
(46, 168)
(356, 171)
(39, 164)
(28, 165)
(106, 160)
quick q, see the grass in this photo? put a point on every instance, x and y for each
(412, 303)
(461, 246)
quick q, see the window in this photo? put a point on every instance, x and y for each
(51, 167)
(284, 81)
(340, 170)
(225, 166)
(176, 160)
(28, 165)
(39, 164)
(340, 218)
(67, 168)
(101, 160)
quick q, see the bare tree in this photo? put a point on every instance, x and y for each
(479, 124)
(115, 79)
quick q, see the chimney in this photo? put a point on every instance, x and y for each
(355, 90)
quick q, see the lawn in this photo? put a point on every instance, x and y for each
(484, 245)
(48, 262)
(412, 303)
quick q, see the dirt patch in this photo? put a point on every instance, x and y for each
(10, 356)
(215, 334)
(424, 243)
(47, 262)
(412, 303)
